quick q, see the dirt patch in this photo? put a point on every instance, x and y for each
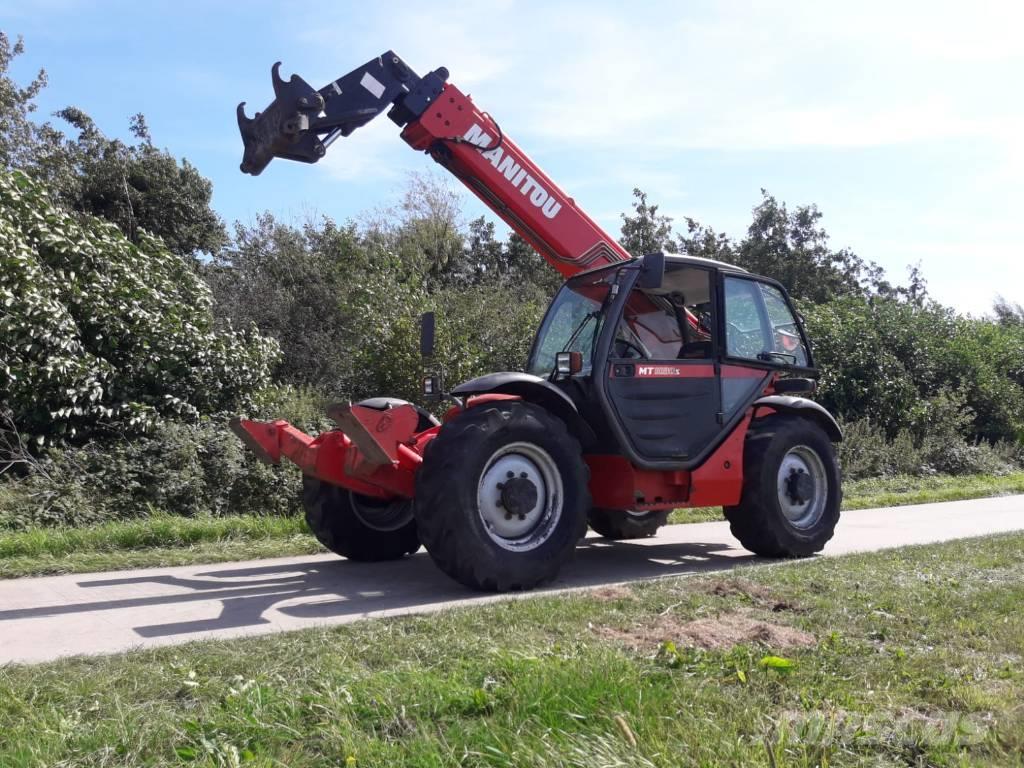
(611, 593)
(739, 588)
(717, 633)
(757, 594)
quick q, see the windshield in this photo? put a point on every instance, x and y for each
(572, 324)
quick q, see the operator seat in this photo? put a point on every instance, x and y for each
(690, 349)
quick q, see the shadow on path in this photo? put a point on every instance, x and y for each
(329, 589)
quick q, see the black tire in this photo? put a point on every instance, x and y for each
(475, 449)
(619, 524)
(359, 527)
(760, 520)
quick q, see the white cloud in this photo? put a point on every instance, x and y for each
(734, 76)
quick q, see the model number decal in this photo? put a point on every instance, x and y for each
(658, 370)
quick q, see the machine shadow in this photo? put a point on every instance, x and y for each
(324, 589)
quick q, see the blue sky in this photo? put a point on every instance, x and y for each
(903, 121)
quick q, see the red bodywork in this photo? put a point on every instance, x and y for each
(377, 453)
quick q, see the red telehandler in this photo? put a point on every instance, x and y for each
(653, 383)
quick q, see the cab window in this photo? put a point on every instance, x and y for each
(759, 324)
(670, 323)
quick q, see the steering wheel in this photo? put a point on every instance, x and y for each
(623, 347)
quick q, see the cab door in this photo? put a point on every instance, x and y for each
(760, 335)
(662, 381)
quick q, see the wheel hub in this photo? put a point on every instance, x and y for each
(518, 496)
(799, 486)
(802, 487)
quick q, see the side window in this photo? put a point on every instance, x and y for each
(745, 331)
(786, 338)
(758, 322)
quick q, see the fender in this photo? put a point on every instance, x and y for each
(533, 389)
(808, 409)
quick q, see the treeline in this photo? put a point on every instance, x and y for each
(132, 324)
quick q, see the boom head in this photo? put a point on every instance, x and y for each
(301, 122)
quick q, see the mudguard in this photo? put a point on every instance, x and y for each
(533, 389)
(809, 409)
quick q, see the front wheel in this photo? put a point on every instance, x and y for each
(625, 524)
(502, 496)
(791, 489)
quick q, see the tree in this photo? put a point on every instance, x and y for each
(645, 230)
(18, 133)
(99, 335)
(1008, 313)
(136, 186)
(705, 243)
(793, 248)
(298, 286)
(529, 271)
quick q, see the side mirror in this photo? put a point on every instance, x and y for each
(652, 271)
(568, 363)
(427, 334)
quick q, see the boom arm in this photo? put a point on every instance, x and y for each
(437, 118)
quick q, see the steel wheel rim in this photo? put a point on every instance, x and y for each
(802, 513)
(525, 462)
(381, 514)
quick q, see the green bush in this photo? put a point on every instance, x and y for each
(898, 364)
(866, 452)
(180, 469)
(101, 337)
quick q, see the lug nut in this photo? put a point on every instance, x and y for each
(523, 475)
(510, 475)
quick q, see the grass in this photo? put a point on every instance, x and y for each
(896, 492)
(164, 540)
(152, 541)
(913, 658)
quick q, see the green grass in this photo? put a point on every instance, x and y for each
(914, 660)
(164, 540)
(896, 492)
(151, 541)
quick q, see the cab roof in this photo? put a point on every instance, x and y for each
(700, 261)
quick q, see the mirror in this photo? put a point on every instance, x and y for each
(568, 363)
(652, 271)
(427, 334)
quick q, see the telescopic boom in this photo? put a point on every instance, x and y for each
(436, 118)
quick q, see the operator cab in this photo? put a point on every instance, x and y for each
(666, 367)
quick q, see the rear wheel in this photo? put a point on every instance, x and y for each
(502, 497)
(363, 527)
(625, 524)
(791, 489)
(359, 527)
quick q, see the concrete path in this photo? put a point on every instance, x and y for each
(45, 618)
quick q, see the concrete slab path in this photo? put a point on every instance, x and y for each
(49, 617)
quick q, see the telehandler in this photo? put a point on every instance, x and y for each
(653, 383)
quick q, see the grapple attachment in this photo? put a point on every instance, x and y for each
(301, 122)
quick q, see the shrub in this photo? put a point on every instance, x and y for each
(906, 366)
(181, 469)
(99, 336)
